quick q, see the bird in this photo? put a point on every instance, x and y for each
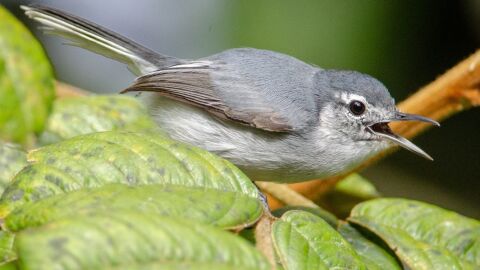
(274, 116)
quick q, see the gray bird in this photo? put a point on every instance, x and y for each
(274, 116)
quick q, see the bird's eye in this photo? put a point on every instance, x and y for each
(357, 107)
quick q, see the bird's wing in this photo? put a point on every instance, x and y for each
(222, 90)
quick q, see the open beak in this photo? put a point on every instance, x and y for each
(382, 129)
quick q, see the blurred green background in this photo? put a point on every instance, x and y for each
(405, 44)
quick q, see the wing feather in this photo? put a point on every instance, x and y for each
(262, 89)
(194, 86)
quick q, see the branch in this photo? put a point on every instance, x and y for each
(64, 90)
(455, 91)
(263, 237)
(284, 195)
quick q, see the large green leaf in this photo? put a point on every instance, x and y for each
(423, 236)
(225, 209)
(81, 115)
(26, 82)
(133, 240)
(12, 160)
(96, 159)
(374, 256)
(305, 241)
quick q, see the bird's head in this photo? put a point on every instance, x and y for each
(359, 108)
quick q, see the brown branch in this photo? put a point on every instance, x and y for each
(458, 89)
(263, 237)
(64, 90)
(284, 195)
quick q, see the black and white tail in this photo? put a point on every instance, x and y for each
(88, 35)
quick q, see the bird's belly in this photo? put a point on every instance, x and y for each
(261, 155)
(192, 125)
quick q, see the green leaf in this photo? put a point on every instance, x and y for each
(12, 160)
(348, 193)
(372, 255)
(423, 236)
(305, 241)
(229, 210)
(7, 253)
(325, 215)
(96, 159)
(357, 186)
(81, 115)
(26, 82)
(133, 240)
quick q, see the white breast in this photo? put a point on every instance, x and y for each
(262, 155)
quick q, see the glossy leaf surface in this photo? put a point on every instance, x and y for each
(305, 241)
(133, 240)
(96, 159)
(423, 236)
(224, 209)
(373, 255)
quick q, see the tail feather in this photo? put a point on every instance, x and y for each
(98, 39)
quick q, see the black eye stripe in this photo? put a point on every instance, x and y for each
(357, 107)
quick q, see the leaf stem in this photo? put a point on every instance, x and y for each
(263, 238)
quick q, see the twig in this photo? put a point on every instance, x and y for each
(284, 195)
(64, 90)
(455, 91)
(263, 237)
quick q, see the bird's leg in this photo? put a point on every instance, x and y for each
(263, 199)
